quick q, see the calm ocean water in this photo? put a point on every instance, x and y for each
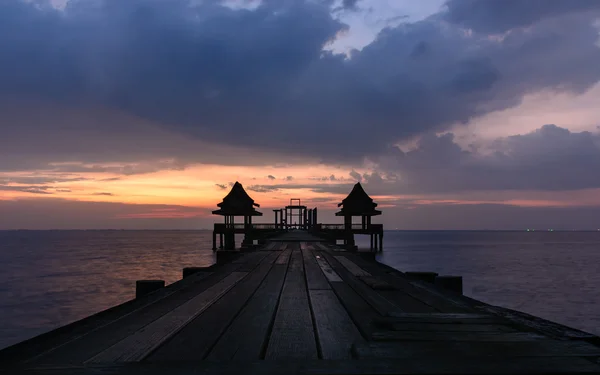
(51, 278)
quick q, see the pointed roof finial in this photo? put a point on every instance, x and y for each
(358, 203)
(237, 203)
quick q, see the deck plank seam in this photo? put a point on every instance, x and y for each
(31, 359)
(274, 256)
(394, 279)
(265, 345)
(364, 333)
(183, 289)
(310, 307)
(254, 257)
(354, 283)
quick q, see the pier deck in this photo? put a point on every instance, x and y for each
(302, 306)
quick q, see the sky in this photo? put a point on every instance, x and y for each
(457, 114)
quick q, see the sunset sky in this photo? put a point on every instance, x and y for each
(458, 114)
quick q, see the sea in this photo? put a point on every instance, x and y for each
(51, 278)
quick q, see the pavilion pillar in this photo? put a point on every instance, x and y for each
(214, 238)
(230, 241)
(348, 235)
(304, 218)
(315, 220)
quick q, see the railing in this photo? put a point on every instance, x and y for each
(354, 227)
(323, 227)
(222, 226)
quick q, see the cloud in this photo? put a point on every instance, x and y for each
(289, 178)
(550, 158)
(355, 175)
(33, 213)
(263, 188)
(271, 177)
(104, 193)
(221, 186)
(27, 189)
(39, 180)
(498, 16)
(194, 60)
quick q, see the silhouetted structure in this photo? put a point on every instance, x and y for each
(294, 216)
(236, 203)
(295, 210)
(358, 203)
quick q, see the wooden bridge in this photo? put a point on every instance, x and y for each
(299, 305)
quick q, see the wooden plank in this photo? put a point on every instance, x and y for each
(329, 273)
(376, 283)
(31, 350)
(421, 349)
(87, 346)
(391, 293)
(196, 339)
(270, 246)
(293, 333)
(409, 366)
(315, 278)
(335, 330)
(438, 301)
(441, 327)
(144, 341)
(257, 258)
(246, 338)
(351, 266)
(456, 336)
(379, 303)
(320, 246)
(284, 257)
(361, 313)
(448, 318)
(406, 302)
(538, 324)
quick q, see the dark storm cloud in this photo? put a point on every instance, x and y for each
(498, 16)
(550, 158)
(255, 78)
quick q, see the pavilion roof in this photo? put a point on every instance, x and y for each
(237, 203)
(358, 203)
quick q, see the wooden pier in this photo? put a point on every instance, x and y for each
(293, 217)
(299, 305)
